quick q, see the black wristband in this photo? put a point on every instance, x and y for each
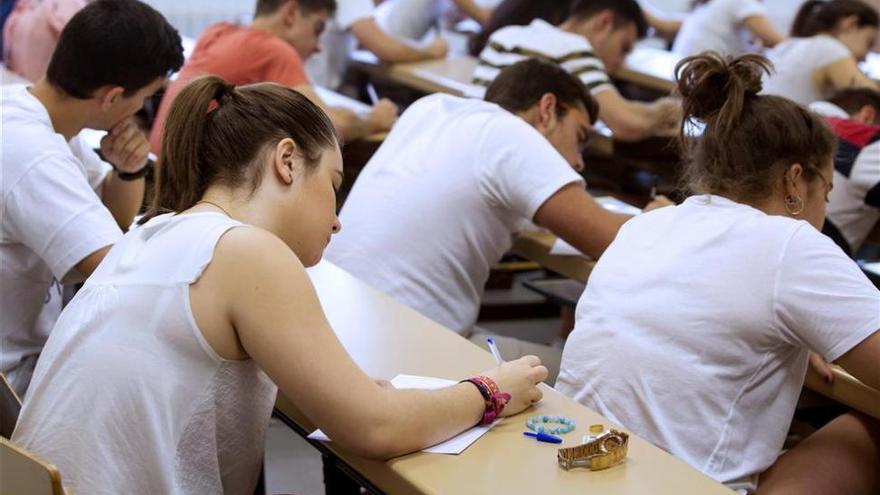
(131, 176)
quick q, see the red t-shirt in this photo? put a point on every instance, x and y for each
(238, 54)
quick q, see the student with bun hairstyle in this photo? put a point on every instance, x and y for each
(721, 299)
(161, 373)
(828, 40)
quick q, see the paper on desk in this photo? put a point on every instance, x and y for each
(454, 445)
(562, 248)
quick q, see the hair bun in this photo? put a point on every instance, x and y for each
(715, 88)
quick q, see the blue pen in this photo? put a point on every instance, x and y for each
(543, 437)
(494, 349)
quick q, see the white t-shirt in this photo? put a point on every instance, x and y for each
(128, 396)
(540, 39)
(439, 202)
(327, 67)
(795, 61)
(694, 329)
(51, 218)
(854, 203)
(718, 26)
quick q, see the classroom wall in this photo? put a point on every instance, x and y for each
(191, 17)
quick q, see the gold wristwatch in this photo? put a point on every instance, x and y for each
(602, 452)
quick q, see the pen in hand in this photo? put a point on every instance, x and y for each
(494, 349)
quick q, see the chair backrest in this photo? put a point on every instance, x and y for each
(23, 473)
(10, 405)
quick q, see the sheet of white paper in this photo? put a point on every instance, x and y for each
(562, 248)
(617, 206)
(454, 445)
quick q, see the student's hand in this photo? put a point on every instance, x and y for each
(668, 112)
(520, 379)
(126, 147)
(383, 383)
(383, 115)
(822, 367)
(437, 48)
(659, 201)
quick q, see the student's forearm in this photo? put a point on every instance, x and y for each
(122, 198)
(409, 420)
(386, 47)
(348, 124)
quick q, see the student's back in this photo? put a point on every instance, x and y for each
(191, 406)
(438, 202)
(31, 33)
(719, 25)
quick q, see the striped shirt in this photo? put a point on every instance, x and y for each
(545, 41)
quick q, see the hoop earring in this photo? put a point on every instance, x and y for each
(794, 205)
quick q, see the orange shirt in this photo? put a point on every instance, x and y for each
(238, 54)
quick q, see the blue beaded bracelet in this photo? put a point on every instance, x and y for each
(538, 424)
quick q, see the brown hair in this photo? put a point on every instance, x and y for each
(821, 16)
(520, 86)
(749, 140)
(851, 100)
(215, 133)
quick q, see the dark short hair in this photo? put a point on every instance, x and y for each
(851, 100)
(268, 7)
(821, 16)
(625, 12)
(123, 43)
(520, 86)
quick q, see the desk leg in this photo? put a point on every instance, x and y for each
(336, 480)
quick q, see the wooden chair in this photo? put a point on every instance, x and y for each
(10, 405)
(23, 473)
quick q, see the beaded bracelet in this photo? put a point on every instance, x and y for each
(538, 424)
(494, 398)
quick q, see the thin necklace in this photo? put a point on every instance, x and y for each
(215, 205)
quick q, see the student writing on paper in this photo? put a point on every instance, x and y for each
(283, 34)
(62, 206)
(440, 201)
(729, 27)
(161, 374)
(854, 203)
(828, 39)
(354, 24)
(591, 43)
(697, 323)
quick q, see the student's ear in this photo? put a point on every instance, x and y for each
(109, 96)
(866, 115)
(545, 114)
(848, 23)
(603, 22)
(284, 161)
(290, 12)
(791, 178)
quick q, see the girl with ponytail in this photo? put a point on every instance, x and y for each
(170, 357)
(723, 300)
(829, 38)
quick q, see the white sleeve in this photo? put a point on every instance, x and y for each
(822, 299)
(54, 212)
(96, 169)
(350, 11)
(743, 9)
(828, 50)
(865, 174)
(520, 169)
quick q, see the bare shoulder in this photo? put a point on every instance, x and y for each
(249, 252)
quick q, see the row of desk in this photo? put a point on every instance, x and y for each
(386, 338)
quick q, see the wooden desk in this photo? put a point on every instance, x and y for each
(845, 389)
(386, 338)
(652, 68)
(535, 246)
(449, 75)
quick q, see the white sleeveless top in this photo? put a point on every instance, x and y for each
(795, 60)
(128, 396)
